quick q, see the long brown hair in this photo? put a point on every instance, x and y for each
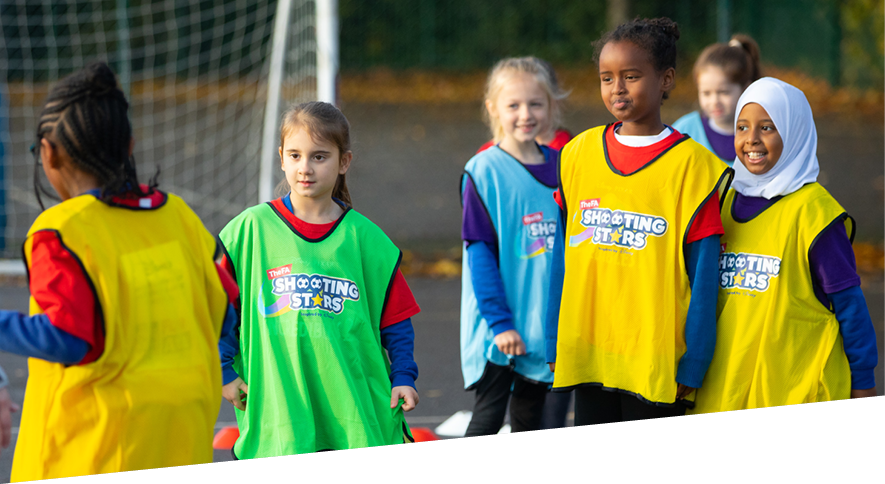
(324, 122)
(738, 59)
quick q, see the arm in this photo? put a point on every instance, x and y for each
(700, 323)
(834, 273)
(36, 337)
(858, 337)
(488, 287)
(229, 342)
(482, 258)
(69, 331)
(233, 388)
(7, 407)
(398, 338)
(399, 341)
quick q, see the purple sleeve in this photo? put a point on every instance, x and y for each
(833, 267)
(723, 145)
(476, 225)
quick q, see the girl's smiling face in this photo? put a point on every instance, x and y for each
(522, 108)
(718, 96)
(756, 140)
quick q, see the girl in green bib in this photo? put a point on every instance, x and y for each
(322, 356)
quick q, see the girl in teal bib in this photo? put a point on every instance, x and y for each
(322, 356)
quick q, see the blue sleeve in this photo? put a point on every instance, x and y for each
(554, 295)
(488, 287)
(36, 337)
(229, 345)
(858, 336)
(399, 341)
(700, 323)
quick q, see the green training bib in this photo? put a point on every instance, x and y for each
(310, 343)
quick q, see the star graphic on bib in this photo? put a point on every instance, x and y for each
(318, 300)
(616, 236)
(738, 280)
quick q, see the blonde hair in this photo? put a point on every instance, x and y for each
(543, 73)
(325, 122)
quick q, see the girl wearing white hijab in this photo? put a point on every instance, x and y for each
(793, 325)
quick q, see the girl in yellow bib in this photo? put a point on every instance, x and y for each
(793, 326)
(127, 304)
(635, 272)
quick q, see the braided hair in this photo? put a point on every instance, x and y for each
(655, 36)
(87, 113)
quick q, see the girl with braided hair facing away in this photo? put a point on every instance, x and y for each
(631, 320)
(721, 73)
(127, 303)
(321, 358)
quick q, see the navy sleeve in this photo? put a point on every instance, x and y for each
(399, 341)
(36, 337)
(489, 287)
(858, 336)
(229, 345)
(700, 323)
(554, 295)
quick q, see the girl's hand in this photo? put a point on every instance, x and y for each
(510, 343)
(407, 393)
(552, 367)
(682, 391)
(869, 392)
(6, 408)
(232, 393)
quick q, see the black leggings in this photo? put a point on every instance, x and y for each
(492, 392)
(593, 405)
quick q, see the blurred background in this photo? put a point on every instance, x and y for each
(207, 80)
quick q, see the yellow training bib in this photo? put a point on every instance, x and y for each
(776, 344)
(626, 289)
(151, 399)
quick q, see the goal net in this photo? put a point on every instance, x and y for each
(197, 75)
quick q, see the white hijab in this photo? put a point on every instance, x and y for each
(791, 114)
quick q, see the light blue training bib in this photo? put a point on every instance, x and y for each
(524, 216)
(692, 125)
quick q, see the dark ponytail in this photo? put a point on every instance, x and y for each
(86, 112)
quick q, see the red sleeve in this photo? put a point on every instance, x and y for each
(226, 274)
(488, 144)
(61, 287)
(708, 221)
(401, 303)
(558, 198)
(227, 280)
(560, 139)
